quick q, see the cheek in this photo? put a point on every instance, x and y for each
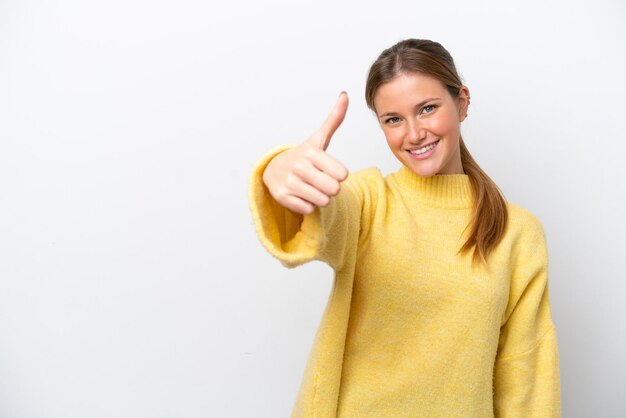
(393, 137)
(444, 124)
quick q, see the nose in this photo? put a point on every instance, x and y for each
(415, 132)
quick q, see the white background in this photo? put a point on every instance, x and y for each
(132, 281)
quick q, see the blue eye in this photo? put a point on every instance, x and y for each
(433, 107)
(392, 120)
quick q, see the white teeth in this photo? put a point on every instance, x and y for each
(424, 149)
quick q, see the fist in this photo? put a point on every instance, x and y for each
(306, 176)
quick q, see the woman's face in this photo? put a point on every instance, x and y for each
(417, 113)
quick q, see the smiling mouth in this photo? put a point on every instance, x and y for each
(424, 149)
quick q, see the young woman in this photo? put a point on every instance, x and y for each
(440, 302)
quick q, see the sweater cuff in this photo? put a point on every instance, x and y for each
(290, 237)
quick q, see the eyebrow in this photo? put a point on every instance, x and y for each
(420, 104)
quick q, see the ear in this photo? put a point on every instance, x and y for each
(464, 101)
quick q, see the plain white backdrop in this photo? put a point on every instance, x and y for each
(132, 281)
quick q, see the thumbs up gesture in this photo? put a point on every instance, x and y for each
(306, 176)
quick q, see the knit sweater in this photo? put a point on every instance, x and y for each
(411, 328)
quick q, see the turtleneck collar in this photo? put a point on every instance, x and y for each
(453, 191)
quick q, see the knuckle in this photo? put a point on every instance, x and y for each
(310, 152)
(290, 181)
(298, 168)
(280, 193)
(342, 172)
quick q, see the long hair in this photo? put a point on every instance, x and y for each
(489, 214)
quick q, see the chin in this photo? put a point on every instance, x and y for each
(423, 170)
(425, 173)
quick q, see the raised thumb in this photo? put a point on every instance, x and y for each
(333, 120)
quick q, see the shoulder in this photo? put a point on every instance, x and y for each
(528, 255)
(367, 185)
(524, 228)
(368, 174)
(368, 178)
(523, 219)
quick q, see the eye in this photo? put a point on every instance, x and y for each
(392, 120)
(431, 107)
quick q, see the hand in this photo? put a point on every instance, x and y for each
(306, 176)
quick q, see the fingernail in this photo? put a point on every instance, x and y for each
(342, 92)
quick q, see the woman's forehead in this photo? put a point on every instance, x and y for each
(410, 87)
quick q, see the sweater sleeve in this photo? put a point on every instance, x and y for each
(526, 374)
(328, 234)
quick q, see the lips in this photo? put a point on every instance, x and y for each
(423, 148)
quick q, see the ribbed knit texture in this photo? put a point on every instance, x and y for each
(411, 329)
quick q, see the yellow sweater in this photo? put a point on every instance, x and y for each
(410, 328)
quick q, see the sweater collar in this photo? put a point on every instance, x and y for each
(453, 191)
